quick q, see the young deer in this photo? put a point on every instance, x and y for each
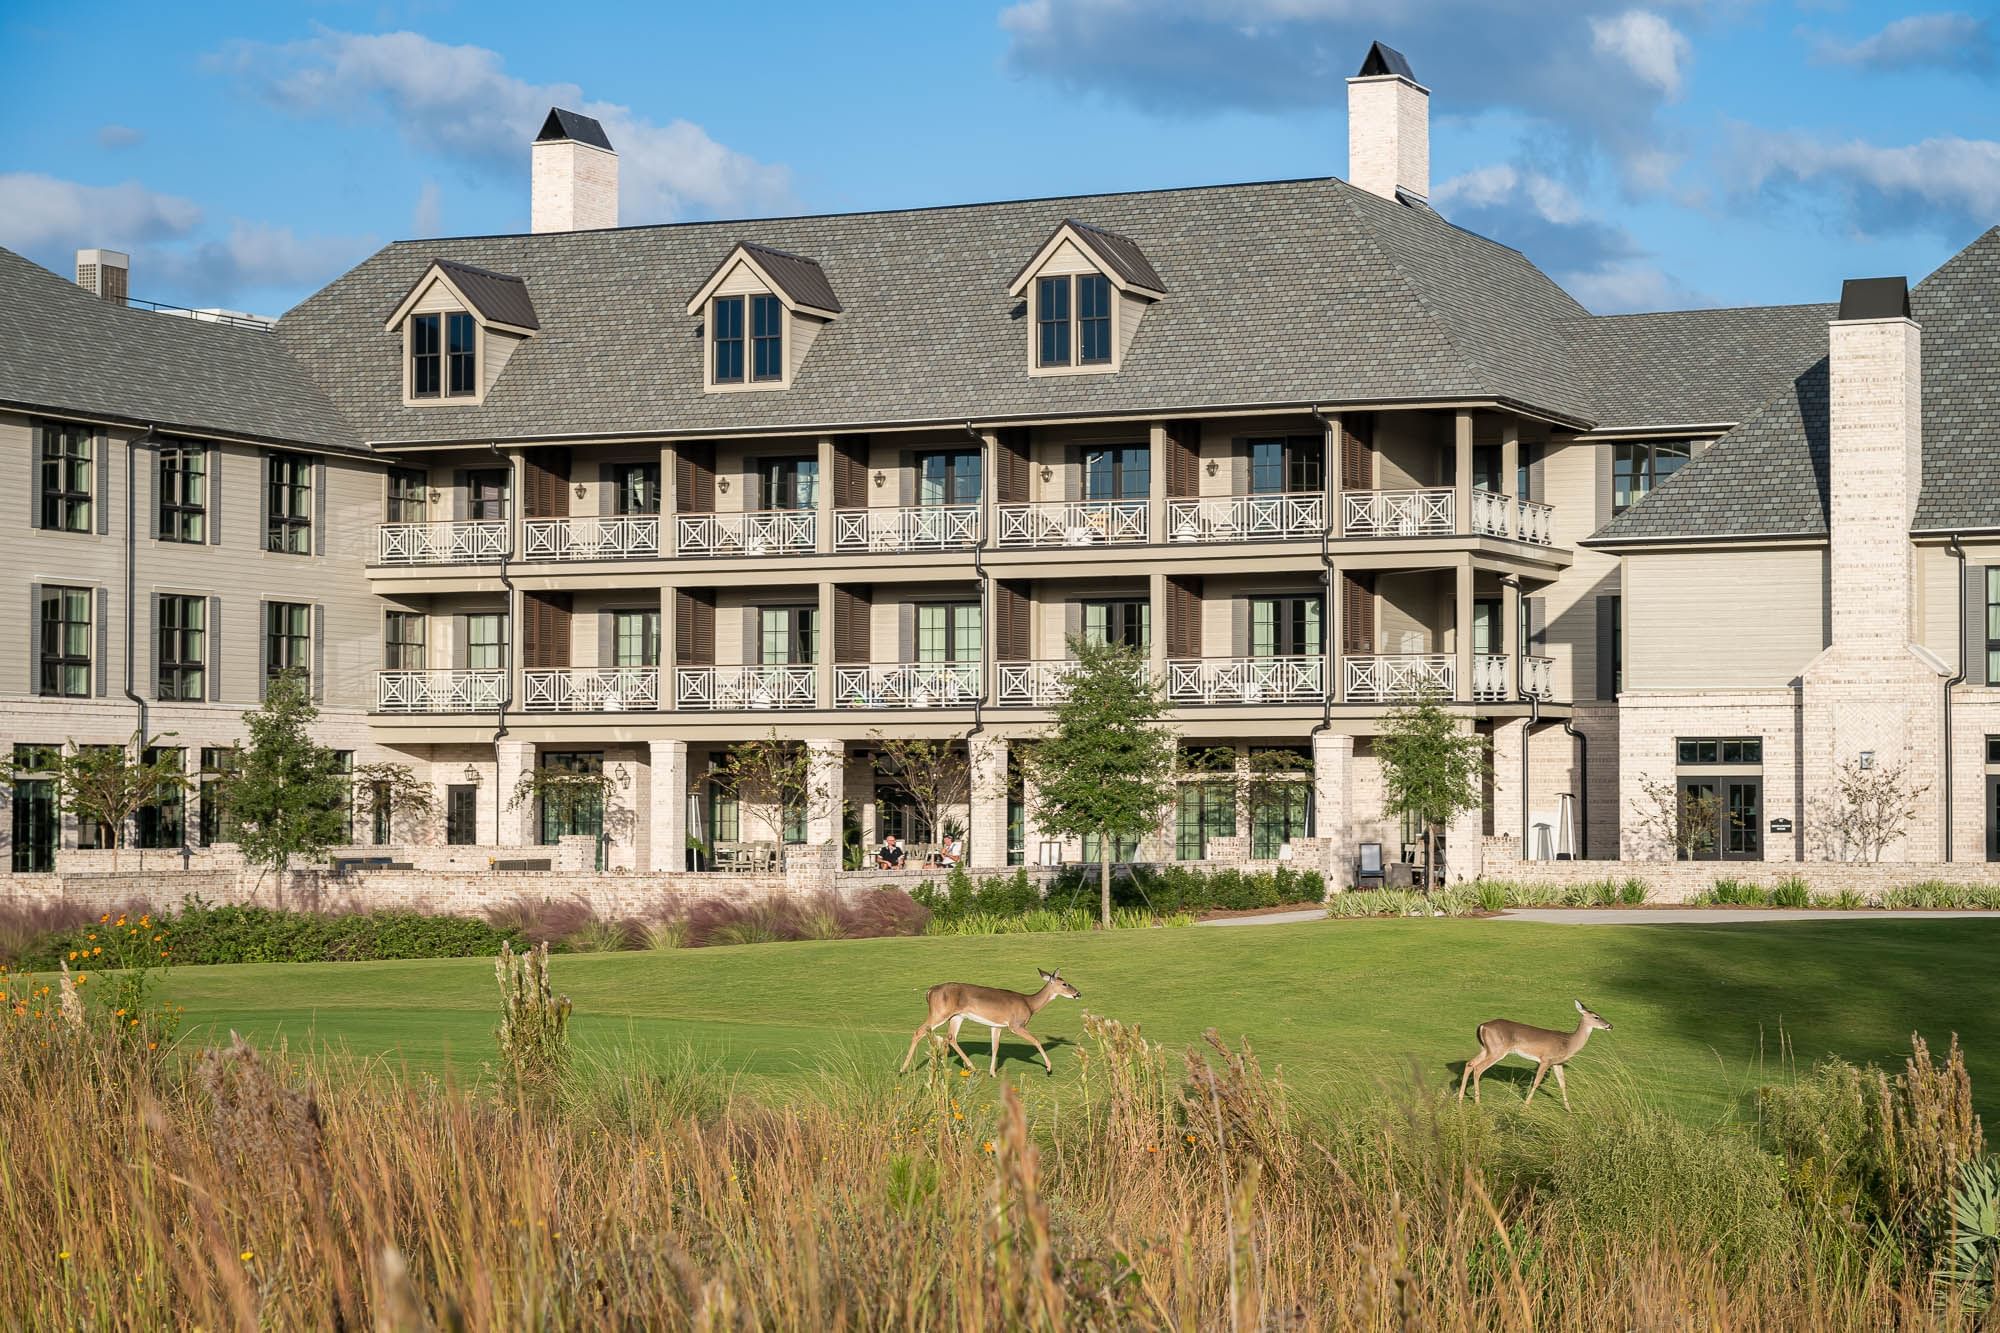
(1500, 1038)
(954, 1002)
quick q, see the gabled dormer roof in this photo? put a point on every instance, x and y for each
(573, 125)
(497, 298)
(798, 281)
(1119, 256)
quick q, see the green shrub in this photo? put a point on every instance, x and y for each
(1791, 891)
(1632, 892)
(1730, 892)
(669, 934)
(1846, 900)
(1491, 895)
(598, 936)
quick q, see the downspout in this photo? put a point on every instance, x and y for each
(1332, 477)
(507, 646)
(132, 569)
(1957, 549)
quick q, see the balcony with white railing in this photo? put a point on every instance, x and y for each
(1246, 680)
(1490, 514)
(755, 532)
(1032, 684)
(1396, 677)
(1538, 677)
(1247, 518)
(616, 537)
(726, 689)
(1537, 523)
(1492, 677)
(439, 691)
(591, 690)
(1425, 513)
(907, 528)
(469, 542)
(907, 685)
(1074, 523)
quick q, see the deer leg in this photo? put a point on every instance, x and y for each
(1040, 1049)
(1562, 1087)
(1540, 1070)
(1472, 1065)
(911, 1054)
(993, 1062)
(951, 1035)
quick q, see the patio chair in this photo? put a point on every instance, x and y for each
(1368, 868)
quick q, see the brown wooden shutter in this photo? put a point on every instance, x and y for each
(1011, 460)
(1357, 614)
(1357, 452)
(850, 472)
(545, 481)
(545, 639)
(694, 478)
(694, 626)
(852, 612)
(1183, 459)
(1011, 622)
(1183, 617)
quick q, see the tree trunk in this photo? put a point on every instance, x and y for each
(1104, 878)
(1430, 859)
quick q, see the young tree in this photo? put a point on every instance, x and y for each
(287, 796)
(1863, 810)
(110, 784)
(393, 793)
(1682, 821)
(1271, 782)
(768, 769)
(1105, 766)
(1431, 771)
(934, 775)
(566, 795)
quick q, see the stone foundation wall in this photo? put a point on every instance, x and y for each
(1678, 881)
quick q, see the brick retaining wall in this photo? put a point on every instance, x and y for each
(1678, 881)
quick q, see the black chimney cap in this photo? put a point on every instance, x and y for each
(563, 124)
(1385, 60)
(1875, 298)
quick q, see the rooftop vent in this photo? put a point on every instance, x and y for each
(104, 273)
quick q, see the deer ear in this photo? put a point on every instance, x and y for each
(1580, 1009)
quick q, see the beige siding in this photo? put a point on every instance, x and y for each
(1066, 259)
(1413, 612)
(1723, 619)
(803, 329)
(437, 297)
(1573, 482)
(499, 350)
(741, 280)
(1131, 309)
(1409, 450)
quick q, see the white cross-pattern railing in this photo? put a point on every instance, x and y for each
(1427, 513)
(907, 685)
(756, 532)
(1491, 677)
(1396, 676)
(906, 528)
(745, 688)
(1037, 683)
(1490, 513)
(591, 690)
(617, 537)
(439, 691)
(1538, 677)
(1537, 523)
(1073, 523)
(1246, 680)
(1246, 518)
(472, 542)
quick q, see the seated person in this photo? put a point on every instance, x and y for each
(953, 851)
(889, 856)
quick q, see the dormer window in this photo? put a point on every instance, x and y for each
(761, 310)
(1073, 320)
(1087, 289)
(444, 355)
(767, 338)
(459, 325)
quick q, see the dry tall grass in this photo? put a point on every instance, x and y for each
(249, 1190)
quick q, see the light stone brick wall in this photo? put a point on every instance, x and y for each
(574, 187)
(1678, 881)
(1388, 136)
(1649, 724)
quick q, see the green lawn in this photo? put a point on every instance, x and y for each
(1340, 1006)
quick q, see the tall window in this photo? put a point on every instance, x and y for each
(444, 355)
(726, 334)
(789, 483)
(289, 508)
(461, 354)
(1294, 464)
(1637, 468)
(91, 833)
(948, 632)
(403, 647)
(485, 639)
(217, 763)
(37, 821)
(409, 495)
(1486, 636)
(1127, 621)
(573, 817)
(1052, 341)
(183, 646)
(1993, 625)
(66, 642)
(949, 478)
(486, 494)
(637, 487)
(163, 821)
(787, 635)
(287, 638)
(635, 639)
(67, 472)
(1120, 473)
(1285, 627)
(1202, 810)
(767, 338)
(1280, 805)
(725, 816)
(1093, 319)
(426, 357)
(183, 493)
(461, 815)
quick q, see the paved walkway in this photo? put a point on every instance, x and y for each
(1631, 916)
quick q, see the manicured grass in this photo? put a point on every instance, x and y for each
(1702, 1013)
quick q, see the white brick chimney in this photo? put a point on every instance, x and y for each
(575, 170)
(1388, 127)
(1875, 461)
(105, 273)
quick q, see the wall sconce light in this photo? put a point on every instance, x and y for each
(880, 478)
(722, 484)
(1867, 759)
(581, 490)
(1048, 473)
(1212, 467)
(436, 495)
(472, 775)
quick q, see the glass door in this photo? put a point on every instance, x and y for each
(486, 494)
(1285, 627)
(1742, 819)
(1122, 473)
(950, 478)
(789, 483)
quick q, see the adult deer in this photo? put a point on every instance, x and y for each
(955, 1001)
(1501, 1037)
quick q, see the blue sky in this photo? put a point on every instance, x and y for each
(1659, 154)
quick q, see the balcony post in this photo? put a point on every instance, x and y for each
(511, 822)
(1336, 633)
(1156, 628)
(667, 793)
(1156, 482)
(1461, 458)
(1464, 839)
(1510, 461)
(822, 649)
(1462, 635)
(988, 530)
(986, 826)
(1333, 767)
(1510, 632)
(823, 501)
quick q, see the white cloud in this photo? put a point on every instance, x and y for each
(1943, 41)
(119, 136)
(459, 102)
(1652, 47)
(1883, 188)
(44, 211)
(259, 255)
(426, 217)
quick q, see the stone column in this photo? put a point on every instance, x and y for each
(987, 829)
(666, 799)
(1333, 769)
(1463, 839)
(826, 788)
(1509, 800)
(512, 822)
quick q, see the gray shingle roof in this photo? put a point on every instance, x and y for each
(1694, 367)
(1292, 291)
(500, 297)
(1768, 477)
(64, 350)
